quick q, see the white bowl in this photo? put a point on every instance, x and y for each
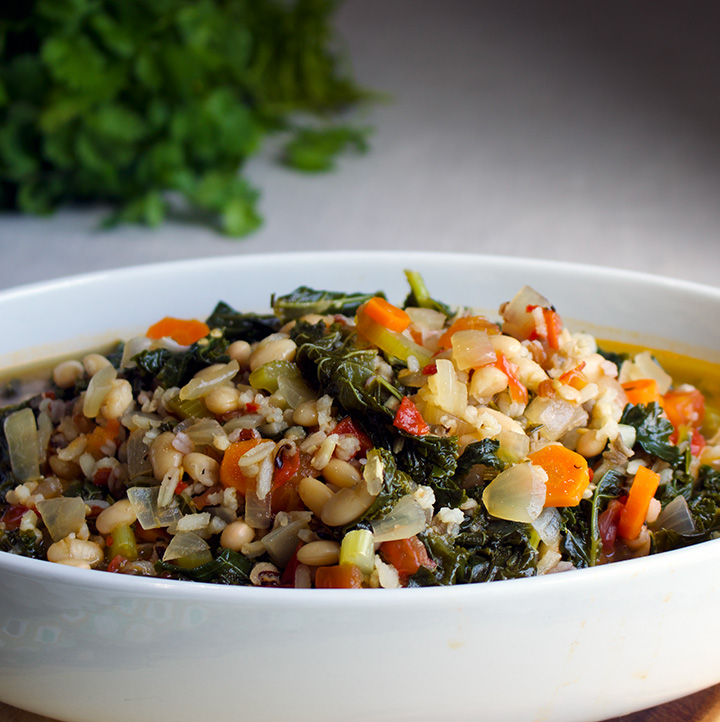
(580, 646)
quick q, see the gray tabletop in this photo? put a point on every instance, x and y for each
(568, 130)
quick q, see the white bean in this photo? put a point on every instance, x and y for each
(121, 513)
(74, 550)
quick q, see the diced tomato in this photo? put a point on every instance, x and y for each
(231, 474)
(12, 516)
(102, 476)
(286, 466)
(347, 426)
(553, 327)
(202, 500)
(115, 563)
(287, 578)
(685, 408)
(181, 486)
(407, 556)
(430, 369)
(340, 576)
(408, 418)
(608, 525)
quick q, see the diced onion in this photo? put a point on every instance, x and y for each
(555, 416)
(98, 388)
(22, 439)
(547, 525)
(676, 516)
(472, 348)
(426, 318)
(144, 500)
(138, 459)
(281, 542)
(132, 348)
(517, 494)
(448, 392)
(209, 378)
(294, 390)
(519, 322)
(188, 546)
(257, 511)
(62, 515)
(406, 519)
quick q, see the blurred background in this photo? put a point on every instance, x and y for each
(566, 130)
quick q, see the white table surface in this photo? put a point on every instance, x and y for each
(564, 130)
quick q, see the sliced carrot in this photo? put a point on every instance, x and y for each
(182, 331)
(407, 556)
(518, 391)
(642, 391)
(575, 377)
(636, 507)
(100, 436)
(231, 474)
(568, 474)
(467, 323)
(554, 326)
(384, 313)
(340, 576)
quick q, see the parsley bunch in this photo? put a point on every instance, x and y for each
(133, 103)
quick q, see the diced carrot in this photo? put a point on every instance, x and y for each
(384, 313)
(642, 391)
(408, 418)
(407, 556)
(568, 474)
(554, 327)
(100, 436)
(466, 323)
(636, 507)
(575, 377)
(518, 391)
(182, 331)
(340, 576)
(231, 474)
(685, 408)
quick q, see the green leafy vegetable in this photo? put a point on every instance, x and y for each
(419, 295)
(304, 300)
(119, 103)
(237, 326)
(653, 431)
(229, 567)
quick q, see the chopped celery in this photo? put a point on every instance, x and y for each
(187, 408)
(358, 548)
(395, 345)
(123, 543)
(266, 376)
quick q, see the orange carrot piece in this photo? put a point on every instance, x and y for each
(384, 313)
(642, 391)
(575, 377)
(518, 391)
(568, 474)
(231, 474)
(182, 331)
(642, 491)
(340, 576)
(467, 323)
(100, 436)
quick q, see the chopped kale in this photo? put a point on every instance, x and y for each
(23, 543)
(304, 300)
(396, 484)
(175, 368)
(653, 431)
(238, 326)
(420, 297)
(229, 567)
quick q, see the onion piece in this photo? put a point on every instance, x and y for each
(22, 439)
(519, 322)
(446, 390)
(472, 348)
(644, 366)
(134, 346)
(144, 500)
(98, 388)
(258, 514)
(676, 516)
(294, 390)
(188, 549)
(138, 459)
(426, 318)
(281, 542)
(407, 518)
(547, 525)
(62, 515)
(555, 416)
(517, 494)
(208, 379)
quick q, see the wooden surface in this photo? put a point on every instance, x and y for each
(700, 707)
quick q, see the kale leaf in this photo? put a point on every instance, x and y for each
(175, 368)
(23, 543)
(304, 300)
(420, 297)
(653, 430)
(238, 326)
(229, 567)
(396, 484)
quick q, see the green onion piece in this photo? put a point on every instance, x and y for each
(266, 377)
(123, 543)
(358, 548)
